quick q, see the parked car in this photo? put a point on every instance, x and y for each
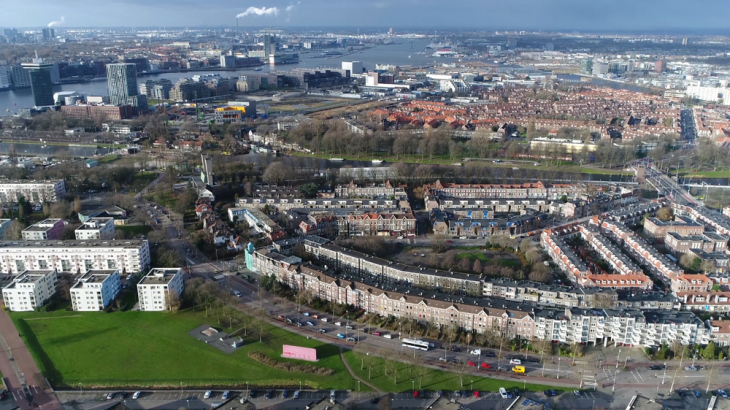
(296, 394)
(306, 313)
(532, 359)
(388, 336)
(472, 364)
(332, 394)
(722, 393)
(656, 367)
(443, 359)
(351, 339)
(226, 394)
(136, 395)
(697, 393)
(550, 393)
(315, 316)
(285, 394)
(207, 394)
(691, 368)
(338, 323)
(340, 335)
(504, 393)
(376, 333)
(309, 323)
(576, 392)
(515, 361)
(322, 331)
(490, 354)
(486, 366)
(476, 394)
(269, 394)
(455, 349)
(348, 327)
(110, 396)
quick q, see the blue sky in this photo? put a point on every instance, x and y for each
(564, 15)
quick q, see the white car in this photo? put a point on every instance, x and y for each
(207, 394)
(136, 395)
(503, 393)
(476, 352)
(515, 361)
(338, 323)
(388, 336)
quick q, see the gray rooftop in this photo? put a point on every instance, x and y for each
(159, 276)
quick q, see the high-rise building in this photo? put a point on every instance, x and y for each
(354, 67)
(659, 66)
(5, 77)
(49, 33)
(123, 90)
(586, 66)
(228, 61)
(40, 82)
(19, 77)
(684, 41)
(269, 45)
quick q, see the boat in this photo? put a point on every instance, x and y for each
(337, 159)
(257, 69)
(377, 161)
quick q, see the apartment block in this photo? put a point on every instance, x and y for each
(157, 287)
(127, 256)
(34, 191)
(634, 214)
(525, 320)
(536, 190)
(43, 230)
(503, 224)
(709, 242)
(468, 206)
(385, 190)
(682, 225)
(715, 220)
(96, 228)
(691, 283)
(29, 290)
(95, 290)
(283, 204)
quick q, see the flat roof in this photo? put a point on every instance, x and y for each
(97, 243)
(29, 276)
(94, 223)
(93, 276)
(159, 276)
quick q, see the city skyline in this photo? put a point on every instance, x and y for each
(650, 15)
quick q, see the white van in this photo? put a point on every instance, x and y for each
(388, 336)
(503, 393)
(338, 323)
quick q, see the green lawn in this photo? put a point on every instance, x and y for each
(146, 349)
(472, 256)
(108, 158)
(425, 378)
(134, 229)
(708, 174)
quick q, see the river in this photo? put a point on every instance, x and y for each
(395, 54)
(51, 150)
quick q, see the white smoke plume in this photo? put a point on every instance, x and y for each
(57, 23)
(255, 11)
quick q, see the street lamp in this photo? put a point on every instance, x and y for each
(665, 372)
(613, 388)
(559, 367)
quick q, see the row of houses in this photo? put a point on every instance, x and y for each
(533, 190)
(94, 290)
(524, 320)
(473, 225)
(284, 204)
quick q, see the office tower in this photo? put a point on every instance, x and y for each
(19, 77)
(123, 90)
(269, 45)
(49, 33)
(684, 41)
(40, 82)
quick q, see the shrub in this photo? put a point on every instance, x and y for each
(290, 367)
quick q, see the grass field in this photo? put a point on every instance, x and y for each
(708, 174)
(424, 378)
(472, 256)
(145, 349)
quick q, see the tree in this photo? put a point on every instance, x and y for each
(477, 267)
(77, 205)
(708, 266)
(690, 261)
(309, 190)
(665, 214)
(46, 209)
(14, 231)
(169, 258)
(465, 265)
(24, 207)
(60, 209)
(276, 173)
(538, 276)
(708, 353)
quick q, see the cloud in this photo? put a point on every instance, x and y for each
(255, 11)
(291, 7)
(57, 23)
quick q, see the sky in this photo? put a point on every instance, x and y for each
(558, 15)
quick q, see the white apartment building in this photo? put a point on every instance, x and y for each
(95, 290)
(96, 228)
(710, 94)
(29, 290)
(154, 289)
(34, 191)
(127, 256)
(43, 230)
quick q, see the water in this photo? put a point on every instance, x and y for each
(51, 150)
(395, 54)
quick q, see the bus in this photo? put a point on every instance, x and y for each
(416, 344)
